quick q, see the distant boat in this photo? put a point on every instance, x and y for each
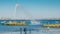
(15, 24)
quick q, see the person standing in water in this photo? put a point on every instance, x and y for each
(20, 30)
(25, 31)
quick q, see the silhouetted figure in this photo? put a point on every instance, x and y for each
(25, 31)
(20, 30)
(30, 31)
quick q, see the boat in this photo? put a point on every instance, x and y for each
(15, 24)
(52, 25)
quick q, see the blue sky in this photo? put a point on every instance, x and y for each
(31, 8)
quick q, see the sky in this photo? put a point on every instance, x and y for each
(30, 9)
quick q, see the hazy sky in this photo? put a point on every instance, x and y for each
(30, 8)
